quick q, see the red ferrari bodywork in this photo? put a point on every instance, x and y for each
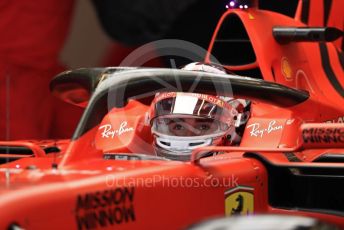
(290, 159)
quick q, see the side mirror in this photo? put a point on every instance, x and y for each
(77, 86)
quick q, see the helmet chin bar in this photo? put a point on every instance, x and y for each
(181, 145)
(171, 154)
(180, 148)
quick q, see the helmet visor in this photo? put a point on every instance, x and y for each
(188, 126)
(188, 114)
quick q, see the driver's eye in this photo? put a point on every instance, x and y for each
(204, 127)
(178, 127)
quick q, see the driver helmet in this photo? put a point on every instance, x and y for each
(206, 67)
(182, 122)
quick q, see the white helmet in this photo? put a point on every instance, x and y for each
(206, 67)
(182, 122)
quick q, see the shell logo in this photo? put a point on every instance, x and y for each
(286, 69)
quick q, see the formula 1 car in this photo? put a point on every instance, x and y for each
(289, 160)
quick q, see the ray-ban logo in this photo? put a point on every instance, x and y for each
(257, 131)
(108, 132)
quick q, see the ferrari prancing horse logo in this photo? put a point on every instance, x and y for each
(239, 201)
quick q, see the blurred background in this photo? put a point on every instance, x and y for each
(87, 42)
(43, 38)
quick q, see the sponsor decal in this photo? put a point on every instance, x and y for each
(209, 98)
(336, 120)
(323, 135)
(108, 132)
(239, 201)
(257, 131)
(105, 208)
(290, 121)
